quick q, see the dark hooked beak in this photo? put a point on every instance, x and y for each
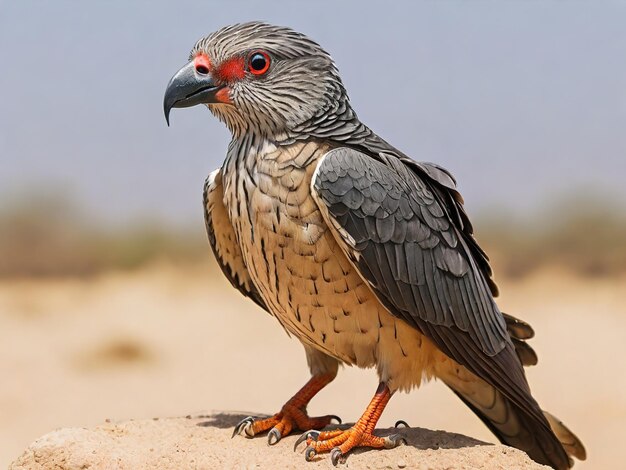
(190, 86)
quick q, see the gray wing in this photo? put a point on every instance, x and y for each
(391, 221)
(406, 246)
(223, 241)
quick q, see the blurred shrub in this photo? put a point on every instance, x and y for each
(583, 235)
(48, 235)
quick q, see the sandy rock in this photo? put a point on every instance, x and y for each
(204, 442)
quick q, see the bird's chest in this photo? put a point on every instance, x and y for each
(291, 255)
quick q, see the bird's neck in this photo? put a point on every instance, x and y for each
(335, 122)
(245, 149)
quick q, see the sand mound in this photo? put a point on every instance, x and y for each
(204, 442)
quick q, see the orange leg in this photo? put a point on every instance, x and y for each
(339, 442)
(292, 416)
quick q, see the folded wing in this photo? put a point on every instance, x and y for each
(391, 220)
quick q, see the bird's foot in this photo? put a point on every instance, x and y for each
(292, 416)
(282, 424)
(340, 442)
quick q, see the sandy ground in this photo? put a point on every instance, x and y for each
(205, 443)
(170, 341)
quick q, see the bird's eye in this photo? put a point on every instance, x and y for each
(258, 63)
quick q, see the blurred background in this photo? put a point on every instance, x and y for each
(111, 305)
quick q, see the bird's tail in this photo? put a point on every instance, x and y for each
(567, 438)
(545, 441)
(515, 427)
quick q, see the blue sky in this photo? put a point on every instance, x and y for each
(522, 101)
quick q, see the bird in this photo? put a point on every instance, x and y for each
(363, 254)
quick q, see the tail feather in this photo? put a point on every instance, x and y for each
(573, 446)
(546, 441)
(519, 332)
(526, 354)
(518, 328)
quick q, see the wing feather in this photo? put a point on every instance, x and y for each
(432, 274)
(432, 262)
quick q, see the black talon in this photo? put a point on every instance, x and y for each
(241, 425)
(336, 418)
(274, 433)
(399, 422)
(394, 441)
(304, 436)
(309, 453)
(335, 455)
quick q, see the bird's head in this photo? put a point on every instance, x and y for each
(260, 78)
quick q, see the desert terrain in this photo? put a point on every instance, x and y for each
(170, 341)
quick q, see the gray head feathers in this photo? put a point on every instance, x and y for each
(239, 38)
(300, 92)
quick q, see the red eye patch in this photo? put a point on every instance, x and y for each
(231, 70)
